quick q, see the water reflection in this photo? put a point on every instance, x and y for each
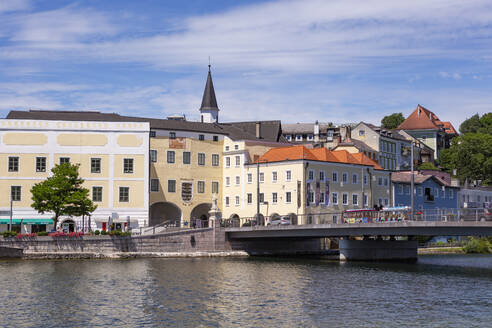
(438, 291)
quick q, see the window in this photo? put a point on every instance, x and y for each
(238, 160)
(345, 199)
(64, 160)
(355, 177)
(15, 193)
(288, 175)
(40, 164)
(362, 133)
(344, 177)
(419, 191)
(380, 181)
(386, 181)
(153, 156)
(310, 137)
(227, 201)
(215, 159)
(249, 197)
(228, 181)
(288, 197)
(201, 187)
(298, 137)
(366, 178)
(201, 159)
(186, 157)
(227, 148)
(250, 178)
(228, 162)
(201, 137)
(451, 193)
(171, 185)
(334, 177)
(334, 198)
(443, 193)
(154, 185)
(215, 138)
(386, 201)
(311, 197)
(366, 200)
(237, 200)
(236, 147)
(288, 137)
(172, 135)
(355, 199)
(274, 176)
(215, 187)
(311, 175)
(322, 175)
(171, 156)
(407, 187)
(274, 198)
(124, 194)
(238, 180)
(95, 165)
(127, 165)
(97, 194)
(152, 134)
(436, 193)
(262, 177)
(380, 201)
(262, 197)
(400, 189)
(322, 198)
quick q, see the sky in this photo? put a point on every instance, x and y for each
(298, 61)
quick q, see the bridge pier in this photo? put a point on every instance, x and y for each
(378, 250)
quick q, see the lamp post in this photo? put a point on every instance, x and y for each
(258, 192)
(412, 182)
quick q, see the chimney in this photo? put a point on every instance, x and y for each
(316, 131)
(258, 130)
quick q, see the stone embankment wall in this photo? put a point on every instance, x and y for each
(179, 242)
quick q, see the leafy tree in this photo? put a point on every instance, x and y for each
(471, 155)
(428, 166)
(62, 193)
(392, 121)
(477, 124)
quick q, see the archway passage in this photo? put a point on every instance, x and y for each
(199, 215)
(293, 218)
(68, 226)
(164, 212)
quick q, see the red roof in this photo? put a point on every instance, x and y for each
(423, 119)
(318, 154)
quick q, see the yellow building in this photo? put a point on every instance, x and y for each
(113, 158)
(304, 184)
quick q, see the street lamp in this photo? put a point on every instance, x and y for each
(412, 182)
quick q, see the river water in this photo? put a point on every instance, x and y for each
(438, 291)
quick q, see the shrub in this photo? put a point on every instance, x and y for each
(104, 232)
(97, 232)
(115, 233)
(7, 234)
(478, 245)
(43, 233)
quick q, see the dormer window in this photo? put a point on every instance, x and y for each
(172, 135)
(310, 137)
(299, 137)
(362, 133)
(288, 137)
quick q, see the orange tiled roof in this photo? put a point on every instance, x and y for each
(318, 154)
(421, 118)
(449, 128)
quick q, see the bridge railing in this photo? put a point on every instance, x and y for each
(384, 216)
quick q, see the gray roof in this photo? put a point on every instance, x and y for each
(389, 133)
(361, 145)
(304, 128)
(270, 130)
(405, 177)
(209, 101)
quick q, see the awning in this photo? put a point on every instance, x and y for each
(27, 221)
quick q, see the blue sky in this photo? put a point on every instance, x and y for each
(298, 61)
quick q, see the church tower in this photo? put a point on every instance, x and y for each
(209, 112)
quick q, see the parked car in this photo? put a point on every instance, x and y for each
(476, 214)
(280, 221)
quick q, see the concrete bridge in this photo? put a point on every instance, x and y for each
(373, 246)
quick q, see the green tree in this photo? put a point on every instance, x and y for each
(62, 193)
(392, 121)
(471, 155)
(428, 166)
(477, 124)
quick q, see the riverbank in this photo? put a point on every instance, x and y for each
(440, 250)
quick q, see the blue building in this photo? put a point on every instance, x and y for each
(432, 193)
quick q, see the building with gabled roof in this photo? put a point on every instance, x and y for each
(425, 126)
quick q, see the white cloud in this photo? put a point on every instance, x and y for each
(14, 5)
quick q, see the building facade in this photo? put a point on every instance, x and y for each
(113, 159)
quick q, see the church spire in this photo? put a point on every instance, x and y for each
(209, 109)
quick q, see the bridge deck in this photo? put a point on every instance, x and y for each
(406, 228)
